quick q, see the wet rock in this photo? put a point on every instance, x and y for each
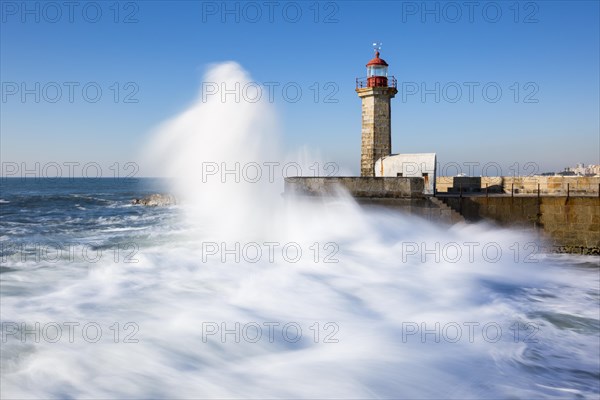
(155, 200)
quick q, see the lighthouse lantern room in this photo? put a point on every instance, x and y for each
(377, 70)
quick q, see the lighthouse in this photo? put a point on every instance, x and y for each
(376, 92)
(382, 175)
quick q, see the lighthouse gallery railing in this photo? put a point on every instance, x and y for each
(363, 82)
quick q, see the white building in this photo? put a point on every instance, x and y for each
(409, 165)
(581, 169)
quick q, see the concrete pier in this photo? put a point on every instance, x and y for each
(361, 187)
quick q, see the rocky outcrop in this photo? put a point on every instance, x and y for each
(155, 200)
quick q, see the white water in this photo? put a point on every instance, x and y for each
(372, 294)
(221, 135)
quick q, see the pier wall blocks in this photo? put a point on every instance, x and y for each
(364, 187)
(553, 185)
(570, 224)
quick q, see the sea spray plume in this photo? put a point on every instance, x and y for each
(226, 133)
(219, 132)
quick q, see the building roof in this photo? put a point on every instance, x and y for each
(412, 155)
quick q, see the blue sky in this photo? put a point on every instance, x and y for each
(543, 56)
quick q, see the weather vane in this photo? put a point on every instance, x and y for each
(377, 46)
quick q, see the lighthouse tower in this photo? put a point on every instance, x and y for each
(376, 92)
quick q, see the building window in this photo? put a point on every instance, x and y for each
(399, 175)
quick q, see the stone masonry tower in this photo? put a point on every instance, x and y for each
(376, 92)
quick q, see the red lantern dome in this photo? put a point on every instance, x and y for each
(377, 61)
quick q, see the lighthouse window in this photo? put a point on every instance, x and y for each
(376, 71)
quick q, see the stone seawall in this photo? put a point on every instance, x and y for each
(363, 187)
(553, 185)
(571, 224)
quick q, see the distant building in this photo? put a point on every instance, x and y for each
(582, 170)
